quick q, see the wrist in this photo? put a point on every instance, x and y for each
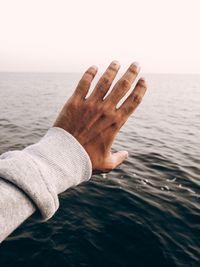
(47, 168)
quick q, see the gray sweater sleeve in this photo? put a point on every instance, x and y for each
(32, 178)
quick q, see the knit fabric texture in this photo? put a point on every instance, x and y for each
(43, 170)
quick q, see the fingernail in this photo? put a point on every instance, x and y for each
(115, 62)
(136, 64)
(142, 79)
(126, 154)
(94, 67)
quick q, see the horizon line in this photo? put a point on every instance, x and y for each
(57, 72)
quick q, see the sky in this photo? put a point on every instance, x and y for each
(69, 36)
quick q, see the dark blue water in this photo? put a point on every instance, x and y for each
(145, 213)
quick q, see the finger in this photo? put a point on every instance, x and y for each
(85, 82)
(122, 114)
(105, 81)
(119, 157)
(124, 84)
(133, 100)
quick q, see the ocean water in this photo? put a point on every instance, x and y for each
(146, 213)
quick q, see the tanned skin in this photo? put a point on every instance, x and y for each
(94, 120)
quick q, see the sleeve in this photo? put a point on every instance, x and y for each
(33, 177)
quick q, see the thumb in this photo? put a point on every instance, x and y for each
(119, 157)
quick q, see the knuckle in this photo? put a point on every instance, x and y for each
(128, 109)
(90, 72)
(105, 80)
(134, 69)
(84, 82)
(124, 83)
(104, 107)
(142, 84)
(114, 67)
(72, 104)
(107, 113)
(101, 110)
(116, 118)
(116, 127)
(103, 84)
(111, 115)
(75, 101)
(101, 88)
(90, 105)
(137, 99)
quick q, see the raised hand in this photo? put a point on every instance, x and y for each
(95, 121)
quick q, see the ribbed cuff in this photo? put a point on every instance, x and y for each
(47, 168)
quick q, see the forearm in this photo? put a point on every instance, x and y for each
(32, 178)
(15, 208)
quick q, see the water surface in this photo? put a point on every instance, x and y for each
(146, 212)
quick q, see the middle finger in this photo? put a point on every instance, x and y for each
(124, 84)
(105, 81)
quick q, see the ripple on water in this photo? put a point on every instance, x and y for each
(145, 213)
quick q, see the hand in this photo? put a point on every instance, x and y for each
(95, 121)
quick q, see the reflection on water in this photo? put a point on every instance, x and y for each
(145, 213)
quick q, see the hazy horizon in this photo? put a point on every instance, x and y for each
(101, 72)
(69, 36)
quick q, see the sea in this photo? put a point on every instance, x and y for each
(145, 213)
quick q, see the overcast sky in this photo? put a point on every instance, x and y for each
(62, 35)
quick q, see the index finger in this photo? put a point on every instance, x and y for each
(85, 82)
